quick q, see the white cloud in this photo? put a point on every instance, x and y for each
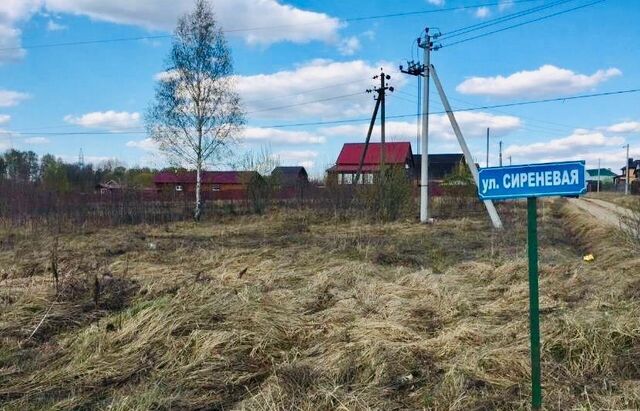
(11, 42)
(110, 120)
(316, 80)
(12, 12)
(436, 2)
(482, 12)
(278, 136)
(37, 140)
(9, 98)
(624, 127)
(473, 124)
(304, 158)
(580, 145)
(349, 46)
(291, 23)
(147, 144)
(4, 118)
(546, 80)
(273, 22)
(53, 26)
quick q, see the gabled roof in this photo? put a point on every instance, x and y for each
(604, 172)
(208, 177)
(289, 170)
(395, 153)
(633, 164)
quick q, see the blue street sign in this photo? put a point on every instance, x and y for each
(532, 180)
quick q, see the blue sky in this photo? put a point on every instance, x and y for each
(318, 52)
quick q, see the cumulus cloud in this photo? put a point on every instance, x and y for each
(349, 46)
(624, 127)
(9, 98)
(147, 144)
(37, 140)
(436, 2)
(4, 118)
(473, 124)
(315, 80)
(110, 120)
(580, 145)
(12, 12)
(546, 80)
(274, 18)
(279, 136)
(271, 20)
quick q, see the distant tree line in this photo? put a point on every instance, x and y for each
(54, 174)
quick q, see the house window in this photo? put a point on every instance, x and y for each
(368, 178)
(215, 187)
(178, 188)
(347, 178)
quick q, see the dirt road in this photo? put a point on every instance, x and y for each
(603, 211)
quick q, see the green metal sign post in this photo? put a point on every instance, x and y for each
(531, 181)
(534, 309)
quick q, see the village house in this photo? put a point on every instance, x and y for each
(604, 175)
(211, 181)
(346, 167)
(108, 187)
(396, 154)
(290, 176)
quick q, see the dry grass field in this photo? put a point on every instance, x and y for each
(292, 311)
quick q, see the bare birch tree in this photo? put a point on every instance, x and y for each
(196, 114)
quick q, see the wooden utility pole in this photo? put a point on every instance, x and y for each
(380, 103)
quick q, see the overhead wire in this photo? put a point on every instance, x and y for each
(353, 120)
(521, 24)
(498, 20)
(245, 29)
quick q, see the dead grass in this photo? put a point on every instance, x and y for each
(291, 312)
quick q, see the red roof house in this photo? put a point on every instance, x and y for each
(210, 180)
(396, 154)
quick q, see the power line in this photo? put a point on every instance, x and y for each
(519, 103)
(305, 103)
(464, 30)
(522, 24)
(354, 120)
(244, 29)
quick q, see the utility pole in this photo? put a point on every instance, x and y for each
(500, 150)
(418, 113)
(384, 86)
(379, 105)
(487, 146)
(416, 69)
(510, 161)
(626, 170)
(598, 184)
